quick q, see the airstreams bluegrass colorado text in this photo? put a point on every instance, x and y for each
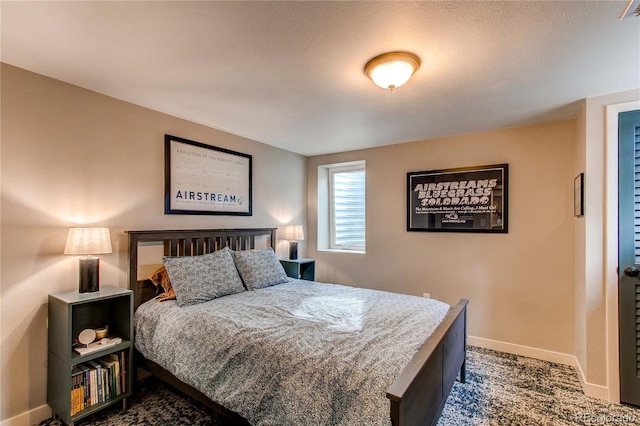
(469, 199)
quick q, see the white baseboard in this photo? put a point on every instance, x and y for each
(30, 417)
(595, 391)
(590, 389)
(527, 351)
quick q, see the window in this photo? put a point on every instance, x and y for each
(343, 195)
(347, 208)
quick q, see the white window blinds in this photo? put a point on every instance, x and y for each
(347, 193)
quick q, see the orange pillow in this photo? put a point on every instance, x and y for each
(161, 278)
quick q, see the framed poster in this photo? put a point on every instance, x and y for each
(470, 199)
(578, 195)
(204, 179)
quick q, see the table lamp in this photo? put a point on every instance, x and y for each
(87, 242)
(293, 233)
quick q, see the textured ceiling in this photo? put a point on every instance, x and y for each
(289, 74)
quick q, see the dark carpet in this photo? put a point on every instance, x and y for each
(501, 389)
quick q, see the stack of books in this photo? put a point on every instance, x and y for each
(93, 382)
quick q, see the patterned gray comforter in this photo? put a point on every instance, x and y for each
(299, 353)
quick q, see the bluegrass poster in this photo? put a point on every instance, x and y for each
(471, 199)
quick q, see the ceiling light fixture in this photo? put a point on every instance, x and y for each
(393, 69)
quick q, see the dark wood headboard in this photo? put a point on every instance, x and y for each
(190, 242)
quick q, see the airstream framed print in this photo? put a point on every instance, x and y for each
(204, 179)
(470, 199)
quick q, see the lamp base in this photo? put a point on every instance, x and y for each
(293, 250)
(89, 275)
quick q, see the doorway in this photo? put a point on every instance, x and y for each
(629, 255)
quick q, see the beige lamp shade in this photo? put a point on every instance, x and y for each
(294, 233)
(84, 241)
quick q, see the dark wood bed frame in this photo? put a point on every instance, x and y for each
(418, 394)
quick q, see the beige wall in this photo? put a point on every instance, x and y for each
(71, 156)
(520, 284)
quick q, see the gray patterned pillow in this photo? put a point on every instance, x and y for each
(259, 268)
(197, 279)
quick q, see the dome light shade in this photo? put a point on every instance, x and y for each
(393, 69)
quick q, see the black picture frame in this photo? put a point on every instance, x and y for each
(578, 195)
(201, 179)
(467, 199)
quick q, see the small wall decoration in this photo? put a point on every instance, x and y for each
(470, 199)
(204, 179)
(578, 195)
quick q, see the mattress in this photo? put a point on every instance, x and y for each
(297, 353)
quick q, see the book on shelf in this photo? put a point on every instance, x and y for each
(114, 364)
(86, 380)
(97, 381)
(77, 391)
(122, 373)
(109, 377)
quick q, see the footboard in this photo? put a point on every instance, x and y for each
(419, 393)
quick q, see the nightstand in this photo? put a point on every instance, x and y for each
(81, 384)
(303, 269)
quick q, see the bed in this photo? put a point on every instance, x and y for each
(414, 395)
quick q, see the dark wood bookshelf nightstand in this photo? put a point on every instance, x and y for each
(69, 371)
(303, 269)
